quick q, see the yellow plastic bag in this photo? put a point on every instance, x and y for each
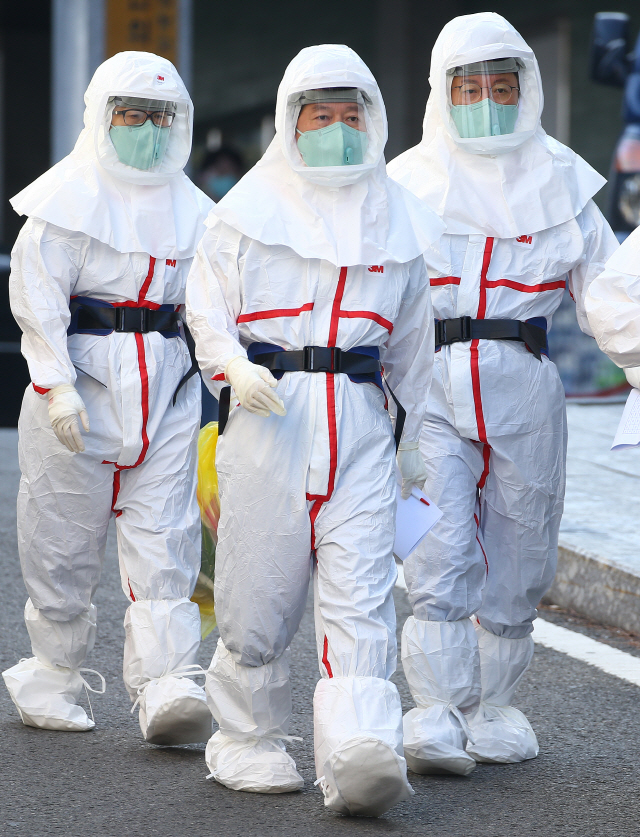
(209, 504)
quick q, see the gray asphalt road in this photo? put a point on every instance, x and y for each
(109, 782)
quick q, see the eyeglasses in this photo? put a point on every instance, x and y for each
(470, 93)
(134, 117)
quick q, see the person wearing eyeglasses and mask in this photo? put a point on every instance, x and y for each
(521, 226)
(109, 426)
(309, 278)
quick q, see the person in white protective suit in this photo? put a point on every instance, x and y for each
(612, 306)
(98, 277)
(312, 268)
(521, 226)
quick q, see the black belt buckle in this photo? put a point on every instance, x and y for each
(453, 331)
(322, 359)
(120, 319)
(144, 320)
(137, 320)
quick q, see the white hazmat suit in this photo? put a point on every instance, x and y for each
(299, 256)
(102, 233)
(612, 307)
(520, 228)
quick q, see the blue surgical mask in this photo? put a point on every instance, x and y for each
(485, 118)
(335, 145)
(217, 185)
(141, 146)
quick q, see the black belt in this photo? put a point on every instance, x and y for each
(329, 359)
(89, 317)
(319, 359)
(123, 319)
(464, 329)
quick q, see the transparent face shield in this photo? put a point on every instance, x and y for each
(484, 97)
(140, 130)
(331, 127)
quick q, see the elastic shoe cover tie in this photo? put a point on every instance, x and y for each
(192, 670)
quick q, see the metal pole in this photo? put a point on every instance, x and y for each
(76, 50)
(185, 42)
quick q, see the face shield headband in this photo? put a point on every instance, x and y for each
(484, 97)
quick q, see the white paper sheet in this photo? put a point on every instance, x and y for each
(414, 518)
(628, 432)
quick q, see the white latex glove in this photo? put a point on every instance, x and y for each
(412, 467)
(253, 384)
(65, 408)
(633, 376)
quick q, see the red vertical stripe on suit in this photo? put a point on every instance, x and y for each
(333, 432)
(116, 491)
(144, 396)
(331, 380)
(484, 554)
(331, 409)
(486, 454)
(475, 370)
(486, 261)
(147, 281)
(335, 311)
(325, 657)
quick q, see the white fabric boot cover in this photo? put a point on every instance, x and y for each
(442, 667)
(500, 733)
(160, 655)
(47, 687)
(252, 706)
(358, 745)
(174, 711)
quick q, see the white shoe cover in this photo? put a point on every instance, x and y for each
(249, 701)
(161, 635)
(64, 644)
(441, 664)
(174, 711)
(252, 705)
(500, 733)
(46, 697)
(434, 742)
(358, 744)
(258, 765)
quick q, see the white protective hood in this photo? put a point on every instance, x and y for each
(502, 186)
(347, 215)
(160, 212)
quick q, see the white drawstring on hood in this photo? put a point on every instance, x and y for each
(347, 215)
(159, 211)
(502, 186)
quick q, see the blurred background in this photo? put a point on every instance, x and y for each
(232, 57)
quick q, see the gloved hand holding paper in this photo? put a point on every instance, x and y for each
(415, 517)
(412, 467)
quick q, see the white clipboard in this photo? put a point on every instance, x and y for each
(415, 517)
(628, 432)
